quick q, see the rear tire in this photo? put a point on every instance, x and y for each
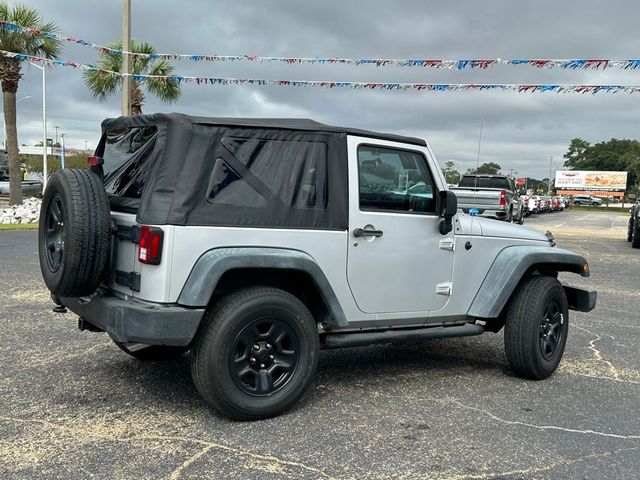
(149, 353)
(536, 328)
(74, 235)
(630, 230)
(255, 354)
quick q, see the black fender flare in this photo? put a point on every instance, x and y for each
(509, 267)
(211, 265)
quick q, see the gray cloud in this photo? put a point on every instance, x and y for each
(521, 131)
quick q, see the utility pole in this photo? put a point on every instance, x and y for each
(56, 127)
(550, 174)
(126, 58)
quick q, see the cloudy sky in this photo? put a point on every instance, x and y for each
(521, 131)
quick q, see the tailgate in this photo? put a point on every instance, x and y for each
(478, 198)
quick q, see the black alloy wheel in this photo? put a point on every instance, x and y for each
(54, 234)
(536, 327)
(551, 330)
(264, 356)
(255, 353)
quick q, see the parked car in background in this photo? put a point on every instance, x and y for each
(633, 232)
(562, 202)
(545, 204)
(534, 203)
(490, 195)
(587, 200)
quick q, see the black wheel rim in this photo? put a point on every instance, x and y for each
(54, 234)
(551, 330)
(264, 356)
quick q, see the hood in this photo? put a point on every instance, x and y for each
(490, 227)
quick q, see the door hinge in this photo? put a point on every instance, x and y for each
(444, 288)
(131, 233)
(448, 244)
(128, 279)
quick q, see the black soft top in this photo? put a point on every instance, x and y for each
(295, 124)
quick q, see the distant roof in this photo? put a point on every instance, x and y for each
(302, 124)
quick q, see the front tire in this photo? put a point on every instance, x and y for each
(255, 353)
(630, 230)
(536, 328)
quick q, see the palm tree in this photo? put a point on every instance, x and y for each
(10, 75)
(102, 84)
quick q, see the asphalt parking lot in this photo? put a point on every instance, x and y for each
(74, 406)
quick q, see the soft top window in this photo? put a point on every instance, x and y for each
(126, 155)
(294, 171)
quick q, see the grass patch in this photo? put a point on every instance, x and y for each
(619, 210)
(19, 226)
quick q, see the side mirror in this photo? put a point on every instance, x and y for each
(448, 207)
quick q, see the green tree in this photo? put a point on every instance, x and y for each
(11, 73)
(103, 85)
(489, 168)
(576, 151)
(451, 174)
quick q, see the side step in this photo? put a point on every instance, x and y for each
(360, 339)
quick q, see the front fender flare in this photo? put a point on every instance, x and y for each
(508, 268)
(210, 267)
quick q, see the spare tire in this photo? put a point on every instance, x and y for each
(74, 236)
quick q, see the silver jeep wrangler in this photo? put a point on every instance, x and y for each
(254, 243)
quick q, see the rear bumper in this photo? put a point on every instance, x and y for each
(137, 321)
(486, 211)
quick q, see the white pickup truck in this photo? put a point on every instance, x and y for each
(490, 195)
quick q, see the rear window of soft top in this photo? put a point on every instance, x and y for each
(126, 160)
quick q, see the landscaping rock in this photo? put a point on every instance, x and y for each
(28, 212)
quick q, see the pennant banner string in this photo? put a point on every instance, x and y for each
(388, 86)
(483, 64)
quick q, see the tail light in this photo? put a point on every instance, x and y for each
(503, 198)
(150, 242)
(95, 161)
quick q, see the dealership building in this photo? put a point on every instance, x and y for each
(598, 184)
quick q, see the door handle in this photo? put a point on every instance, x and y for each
(361, 232)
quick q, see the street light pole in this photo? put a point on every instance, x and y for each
(62, 152)
(44, 125)
(126, 58)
